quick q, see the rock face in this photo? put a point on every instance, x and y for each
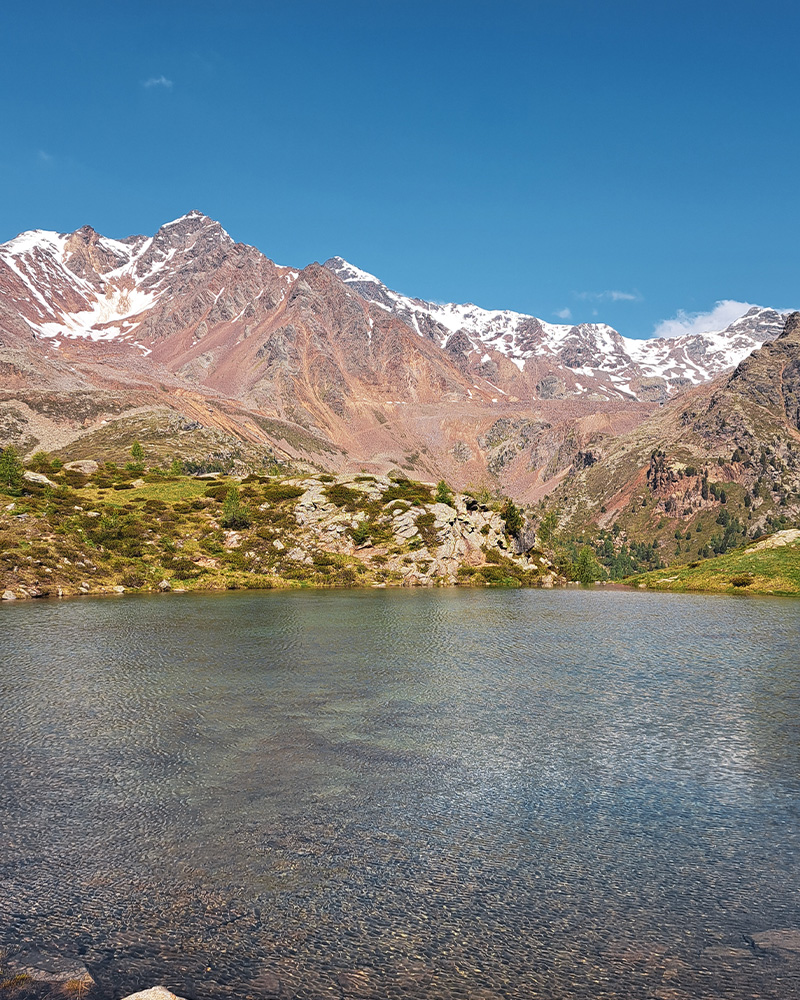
(770, 377)
(742, 430)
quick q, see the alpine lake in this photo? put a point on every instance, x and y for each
(391, 794)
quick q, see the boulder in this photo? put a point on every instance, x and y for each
(164, 586)
(9, 595)
(37, 477)
(786, 537)
(154, 993)
(85, 465)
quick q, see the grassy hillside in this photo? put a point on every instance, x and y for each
(116, 529)
(768, 566)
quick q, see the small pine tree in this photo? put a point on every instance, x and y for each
(512, 515)
(443, 493)
(587, 569)
(234, 513)
(137, 453)
(10, 471)
(548, 525)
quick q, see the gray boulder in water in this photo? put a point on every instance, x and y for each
(154, 993)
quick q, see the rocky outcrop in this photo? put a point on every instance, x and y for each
(309, 530)
(418, 543)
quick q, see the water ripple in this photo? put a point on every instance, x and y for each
(386, 794)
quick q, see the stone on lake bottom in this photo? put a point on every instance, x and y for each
(45, 968)
(785, 940)
(154, 993)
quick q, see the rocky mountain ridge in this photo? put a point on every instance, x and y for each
(210, 352)
(593, 356)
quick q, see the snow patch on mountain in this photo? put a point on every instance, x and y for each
(57, 298)
(591, 350)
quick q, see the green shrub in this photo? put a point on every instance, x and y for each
(425, 527)
(443, 493)
(407, 489)
(216, 492)
(344, 497)
(278, 492)
(185, 569)
(235, 514)
(360, 533)
(42, 462)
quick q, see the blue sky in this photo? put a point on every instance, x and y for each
(629, 161)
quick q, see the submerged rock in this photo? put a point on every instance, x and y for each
(42, 967)
(785, 941)
(154, 993)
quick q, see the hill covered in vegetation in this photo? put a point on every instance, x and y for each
(91, 528)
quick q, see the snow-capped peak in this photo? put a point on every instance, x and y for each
(349, 272)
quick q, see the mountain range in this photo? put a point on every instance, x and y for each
(207, 351)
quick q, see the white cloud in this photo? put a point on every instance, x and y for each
(564, 313)
(612, 295)
(157, 81)
(686, 324)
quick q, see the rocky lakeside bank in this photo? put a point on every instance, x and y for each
(90, 529)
